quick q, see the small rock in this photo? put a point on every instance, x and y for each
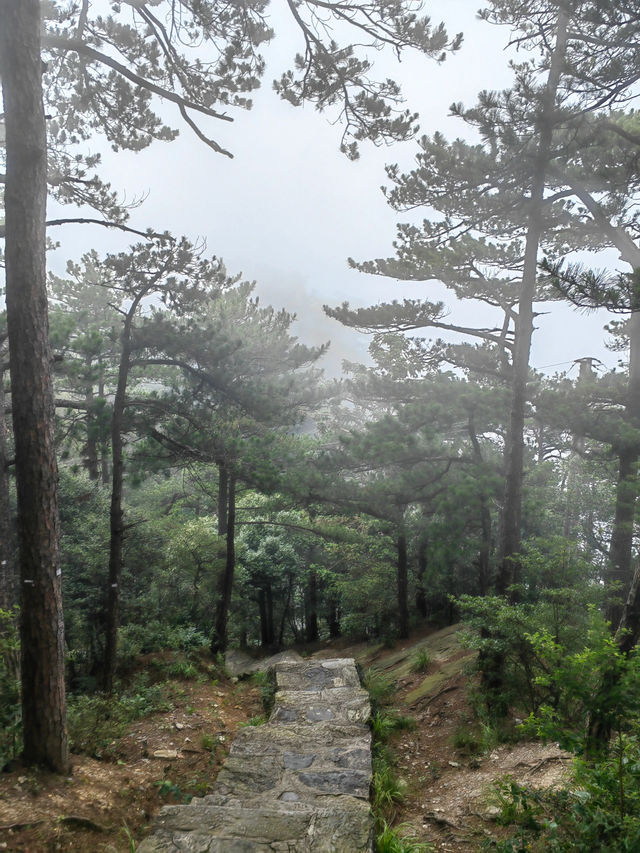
(170, 754)
(179, 726)
(491, 813)
(454, 764)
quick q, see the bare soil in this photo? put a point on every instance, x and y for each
(108, 804)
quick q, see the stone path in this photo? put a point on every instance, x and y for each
(299, 784)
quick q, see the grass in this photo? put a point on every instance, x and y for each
(390, 840)
(94, 722)
(421, 661)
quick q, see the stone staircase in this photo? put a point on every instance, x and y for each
(299, 784)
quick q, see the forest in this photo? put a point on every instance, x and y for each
(176, 469)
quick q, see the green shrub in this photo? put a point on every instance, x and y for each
(387, 789)
(379, 687)
(266, 682)
(95, 721)
(389, 840)
(421, 661)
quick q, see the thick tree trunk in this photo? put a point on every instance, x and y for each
(403, 587)
(42, 629)
(8, 579)
(510, 534)
(219, 635)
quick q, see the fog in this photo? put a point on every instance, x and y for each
(289, 209)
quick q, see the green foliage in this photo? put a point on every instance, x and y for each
(398, 839)
(95, 721)
(154, 636)
(421, 661)
(379, 687)
(258, 720)
(505, 632)
(387, 789)
(597, 680)
(599, 810)
(518, 804)
(266, 682)
(167, 788)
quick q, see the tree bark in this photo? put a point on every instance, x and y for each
(8, 579)
(403, 586)
(510, 537)
(311, 607)
(112, 614)
(333, 617)
(219, 635)
(92, 437)
(619, 570)
(421, 595)
(484, 554)
(42, 627)
(223, 498)
(116, 515)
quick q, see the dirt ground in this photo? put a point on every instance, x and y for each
(107, 805)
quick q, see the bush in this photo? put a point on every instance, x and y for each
(95, 721)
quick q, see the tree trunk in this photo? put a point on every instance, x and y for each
(510, 538)
(104, 452)
(600, 727)
(484, 554)
(421, 595)
(619, 569)
(311, 607)
(42, 628)
(403, 586)
(285, 611)
(112, 614)
(333, 617)
(219, 636)
(223, 498)
(92, 429)
(265, 640)
(8, 580)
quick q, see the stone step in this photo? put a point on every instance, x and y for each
(299, 784)
(290, 828)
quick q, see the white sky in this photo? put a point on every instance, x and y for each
(289, 209)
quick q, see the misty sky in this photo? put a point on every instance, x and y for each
(289, 209)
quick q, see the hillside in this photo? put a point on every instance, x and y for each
(446, 771)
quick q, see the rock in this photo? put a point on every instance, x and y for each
(299, 783)
(167, 754)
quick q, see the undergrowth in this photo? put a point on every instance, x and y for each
(387, 789)
(95, 721)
